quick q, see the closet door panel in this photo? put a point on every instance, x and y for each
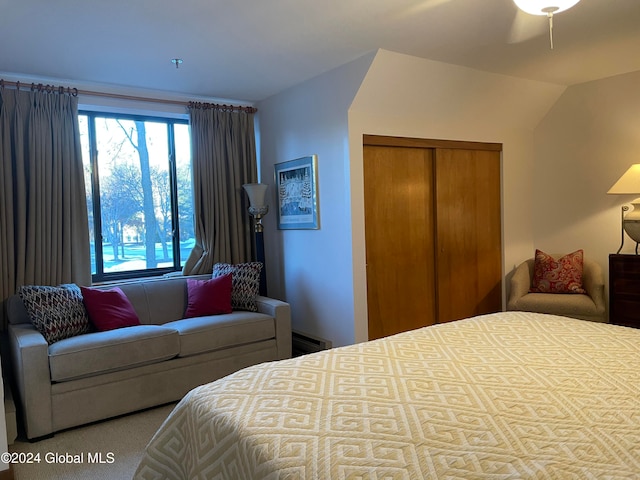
(398, 191)
(468, 226)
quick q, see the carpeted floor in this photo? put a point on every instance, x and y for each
(77, 454)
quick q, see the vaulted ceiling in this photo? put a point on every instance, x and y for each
(251, 49)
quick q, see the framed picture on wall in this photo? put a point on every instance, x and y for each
(297, 187)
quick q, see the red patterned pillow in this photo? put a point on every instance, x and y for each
(557, 276)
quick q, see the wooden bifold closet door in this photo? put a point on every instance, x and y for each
(432, 232)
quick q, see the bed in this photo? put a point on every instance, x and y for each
(511, 395)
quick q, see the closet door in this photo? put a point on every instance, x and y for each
(398, 195)
(468, 233)
(432, 231)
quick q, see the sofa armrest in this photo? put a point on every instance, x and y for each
(520, 284)
(593, 282)
(30, 363)
(281, 311)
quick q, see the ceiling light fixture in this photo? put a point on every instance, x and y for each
(177, 62)
(545, 7)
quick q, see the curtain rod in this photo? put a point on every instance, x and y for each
(75, 92)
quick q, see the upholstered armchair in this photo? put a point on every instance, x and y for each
(588, 306)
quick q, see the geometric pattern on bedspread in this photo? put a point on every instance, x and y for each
(504, 396)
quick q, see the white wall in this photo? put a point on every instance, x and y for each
(412, 97)
(585, 143)
(322, 273)
(311, 269)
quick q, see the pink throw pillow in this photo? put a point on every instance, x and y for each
(109, 309)
(557, 276)
(209, 297)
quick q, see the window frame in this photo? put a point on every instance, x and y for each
(100, 275)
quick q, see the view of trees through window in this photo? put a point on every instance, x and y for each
(139, 193)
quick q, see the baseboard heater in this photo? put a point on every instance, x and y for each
(304, 343)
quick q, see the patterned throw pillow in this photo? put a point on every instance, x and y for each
(557, 276)
(56, 312)
(245, 278)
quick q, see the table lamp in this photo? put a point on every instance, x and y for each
(629, 184)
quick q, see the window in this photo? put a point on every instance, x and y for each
(139, 194)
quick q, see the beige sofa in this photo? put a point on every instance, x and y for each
(98, 375)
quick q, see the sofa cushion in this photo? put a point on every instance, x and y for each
(208, 297)
(112, 350)
(17, 312)
(109, 309)
(206, 334)
(157, 301)
(246, 283)
(567, 305)
(56, 312)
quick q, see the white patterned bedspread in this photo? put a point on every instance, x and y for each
(505, 396)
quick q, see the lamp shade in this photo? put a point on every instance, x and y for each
(544, 7)
(629, 183)
(257, 193)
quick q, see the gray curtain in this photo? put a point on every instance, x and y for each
(224, 158)
(44, 235)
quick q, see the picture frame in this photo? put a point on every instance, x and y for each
(297, 190)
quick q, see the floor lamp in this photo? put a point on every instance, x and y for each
(257, 193)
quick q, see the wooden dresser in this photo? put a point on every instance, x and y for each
(624, 290)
